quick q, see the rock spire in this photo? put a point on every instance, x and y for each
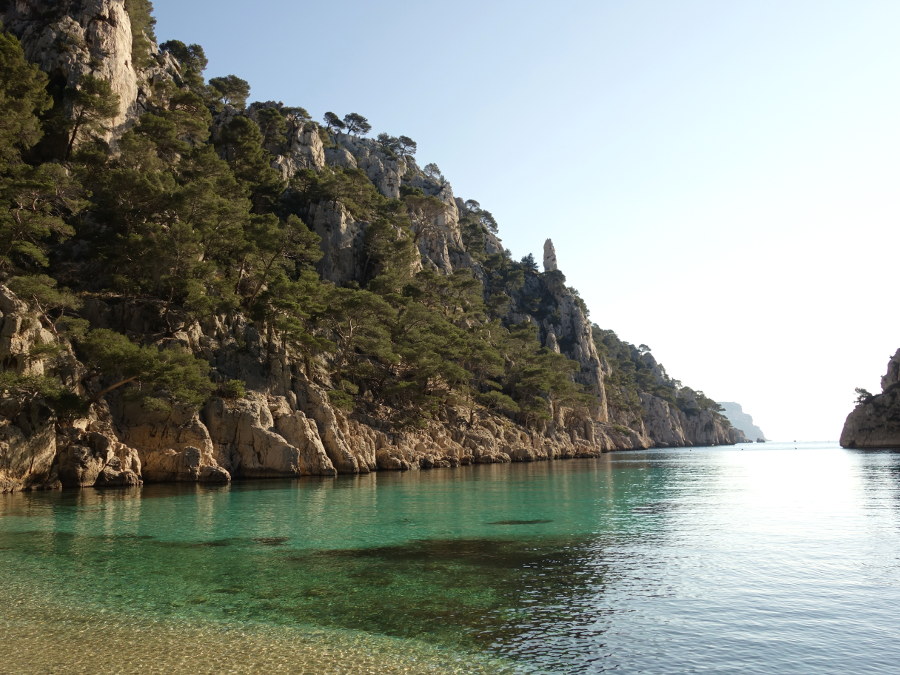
(549, 257)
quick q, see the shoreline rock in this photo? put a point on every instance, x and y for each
(875, 422)
(285, 427)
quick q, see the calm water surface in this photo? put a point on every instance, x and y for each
(755, 559)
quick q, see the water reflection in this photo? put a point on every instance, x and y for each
(656, 560)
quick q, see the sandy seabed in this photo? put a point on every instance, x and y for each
(41, 637)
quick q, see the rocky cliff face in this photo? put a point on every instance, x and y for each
(565, 328)
(70, 39)
(36, 451)
(436, 224)
(285, 426)
(667, 425)
(875, 423)
(741, 420)
(563, 324)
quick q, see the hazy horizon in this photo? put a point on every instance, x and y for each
(718, 179)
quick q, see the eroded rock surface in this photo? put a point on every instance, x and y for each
(875, 423)
(285, 426)
(71, 39)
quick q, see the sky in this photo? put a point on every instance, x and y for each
(721, 180)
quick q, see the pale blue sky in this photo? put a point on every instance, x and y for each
(720, 178)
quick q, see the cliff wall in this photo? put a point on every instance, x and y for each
(284, 427)
(72, 39)
(667, 425)
(287, 423)
(875, 422)
(741, 420)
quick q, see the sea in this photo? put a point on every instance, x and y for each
(757, 558)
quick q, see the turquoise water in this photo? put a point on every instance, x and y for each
(769, 558)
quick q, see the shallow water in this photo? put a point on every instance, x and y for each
(761, 558)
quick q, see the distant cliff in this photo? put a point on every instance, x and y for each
(199, 289)
(741, 420)
(875, 422)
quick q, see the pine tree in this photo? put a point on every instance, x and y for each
(93, 104)
(23, 98)
(241, 143)
(164, 374)
(231, 90)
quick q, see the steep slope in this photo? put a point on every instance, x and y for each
(75, 40)
(875, 422)
(213, 291)
(642, 396)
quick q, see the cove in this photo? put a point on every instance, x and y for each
(778, 558)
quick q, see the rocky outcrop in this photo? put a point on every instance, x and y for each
(565, 328)
(667, 425)
(741, 420)
(892, 376)
(875, 422)
(75, 38)
(21, 332)
(386, 171)
(174, 445)
(304, 151)
(343, 242)
(69, 40)
(90, 458)
(27, 447)
(259, 438)
(435, 222)
(550, 264)
(27, 426)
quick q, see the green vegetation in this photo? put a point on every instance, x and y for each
(163, 374)
(23, 98)
(142, 23)
(187, 221)
(333, 122)
(862, 395)
(634, 371)
(400, 146)
(93, 104)
(356, 124)
(191, 220)
(231, 90)
(193, 62)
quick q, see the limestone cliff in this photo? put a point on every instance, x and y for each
(685, 423)
(71, 39)
(288, 418)
(643, 397)
(286, 427)
(35, 450)
(562, 321)
(741, 420)
(875, 422)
